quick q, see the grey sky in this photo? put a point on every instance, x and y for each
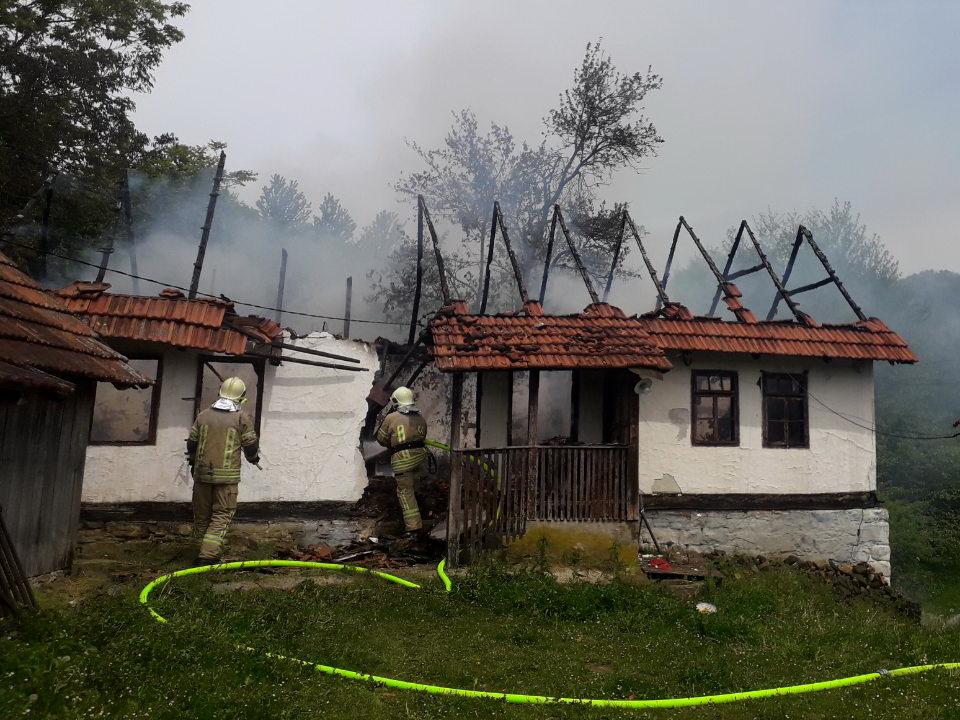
(782, 105)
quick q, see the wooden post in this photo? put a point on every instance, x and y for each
(576, 255)
(549, 258)
(616, 255)
(107, 250)
(575, 406)
(207, 224)
(479, 409)
(517, 273)
(454, 512)
(346, 309)
(666, 268)
(45, 229)
(485, 292)
(283, 278)
(533, 413)
(126, 226)
(444, 287)
(416, 292)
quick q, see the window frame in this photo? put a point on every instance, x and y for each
(733, 393)
(259, 366)
(154, 406)
(785, 445)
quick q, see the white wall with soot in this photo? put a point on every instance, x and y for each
(309, 434)
(841, 456)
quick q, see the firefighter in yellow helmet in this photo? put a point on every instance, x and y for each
(216, 439)
(404, 431)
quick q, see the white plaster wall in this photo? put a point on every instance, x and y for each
(841, 456)
(126, 473)
(309, 433)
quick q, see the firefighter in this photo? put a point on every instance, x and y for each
(404, 431)
(213, 450)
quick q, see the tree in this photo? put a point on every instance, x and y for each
(597, 128)
(282, 203)
(334, 221)
(839, 233)
(382, 236)
(67, 72)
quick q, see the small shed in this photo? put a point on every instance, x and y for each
(50, 364)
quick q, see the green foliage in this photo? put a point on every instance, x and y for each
(282, 204)
(334, 222)
(68, 69)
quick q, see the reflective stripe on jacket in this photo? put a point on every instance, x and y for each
(397, 428)
(219, 436)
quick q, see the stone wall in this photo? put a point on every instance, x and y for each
(857, 535)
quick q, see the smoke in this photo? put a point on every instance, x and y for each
(242, 260)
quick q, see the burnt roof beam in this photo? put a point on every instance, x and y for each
(803, 234)
(723, 284)
(578, 261)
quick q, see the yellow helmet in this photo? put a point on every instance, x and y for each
(233, 388)
(402, 396)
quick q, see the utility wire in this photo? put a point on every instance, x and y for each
(178, 287)
(881, 432)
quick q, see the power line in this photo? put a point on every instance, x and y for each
(179, 287)
(881, 432)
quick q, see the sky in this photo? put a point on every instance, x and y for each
(764, 105)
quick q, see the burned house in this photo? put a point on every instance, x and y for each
(305, 396)
(733, 436)
(51, 365)
(740, 435)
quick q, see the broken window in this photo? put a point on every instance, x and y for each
(715, 413)
(785, 410)
(128, 417)
(214, 370)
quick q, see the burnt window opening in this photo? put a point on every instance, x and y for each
(785, 414)
(128, 417)
(715, 408)
(213, 370)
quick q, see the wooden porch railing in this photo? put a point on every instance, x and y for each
(502, 488)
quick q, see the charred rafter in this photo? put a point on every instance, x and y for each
(730, 292)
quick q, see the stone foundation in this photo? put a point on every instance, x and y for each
(852, 535)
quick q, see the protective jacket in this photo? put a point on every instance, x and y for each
(215, 443)
(400, 429)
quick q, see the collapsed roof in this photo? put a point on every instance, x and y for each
(211, 325)
(45, 348)
(603, 336)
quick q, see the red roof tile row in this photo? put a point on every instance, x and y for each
(170, 319)
(44, 347)
(600, 337)
(603, 337)
(867, 340)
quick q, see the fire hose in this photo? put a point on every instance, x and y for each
(512, 697)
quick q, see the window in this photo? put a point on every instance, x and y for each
(715, 413)
(785, 410)
(213, 370)
(128, 417)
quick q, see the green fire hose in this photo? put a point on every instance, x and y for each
(512, 697)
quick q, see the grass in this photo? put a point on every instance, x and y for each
(524, 632)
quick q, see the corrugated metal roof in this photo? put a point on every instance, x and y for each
(603, 337)
(40, 340)
(599, 337)
(169, 319)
